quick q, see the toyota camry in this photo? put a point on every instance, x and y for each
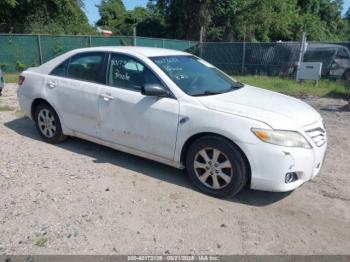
(177, 109)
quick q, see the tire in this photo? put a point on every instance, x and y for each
(346, 75)
(48, 124)
(212, 177)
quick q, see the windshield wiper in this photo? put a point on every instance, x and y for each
(208, 93)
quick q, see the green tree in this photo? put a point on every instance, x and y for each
(44, 16)
(183, 18)
(262, 20)
(154, 23)
(320, 19)
(116, 18)
(347, 16)
(255, 20)
(111, 13)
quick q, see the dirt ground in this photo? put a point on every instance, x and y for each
(83, 198)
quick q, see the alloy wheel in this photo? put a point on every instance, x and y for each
(213, 168)
(47, 123)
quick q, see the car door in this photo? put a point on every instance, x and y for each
(342, 61)
(73, 89)
(146, 123)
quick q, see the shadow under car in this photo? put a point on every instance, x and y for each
(101, 154)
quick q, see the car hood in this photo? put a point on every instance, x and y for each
(277, 110)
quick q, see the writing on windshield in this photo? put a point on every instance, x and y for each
(194, 76)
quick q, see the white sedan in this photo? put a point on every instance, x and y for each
(177, 109)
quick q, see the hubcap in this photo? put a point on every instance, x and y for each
(47, 123)
(213, 168)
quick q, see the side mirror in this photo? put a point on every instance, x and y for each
(153, 90)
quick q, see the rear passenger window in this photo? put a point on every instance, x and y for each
(85, 66)
(61, 70)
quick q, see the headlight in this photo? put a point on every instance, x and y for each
(281, 137)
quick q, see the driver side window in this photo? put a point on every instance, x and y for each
(128, 73)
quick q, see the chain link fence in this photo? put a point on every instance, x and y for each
(275, 59)
(251, 58)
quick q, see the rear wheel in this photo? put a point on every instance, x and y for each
(48, 124)
(216, 166)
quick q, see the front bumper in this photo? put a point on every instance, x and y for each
(270, 163)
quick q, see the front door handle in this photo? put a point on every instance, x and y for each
(51, 84)
(107, 97)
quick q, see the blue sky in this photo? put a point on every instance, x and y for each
(92, 12)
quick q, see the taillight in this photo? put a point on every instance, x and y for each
(21, 79)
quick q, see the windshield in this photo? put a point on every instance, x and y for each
(319, 55)
(195, 76)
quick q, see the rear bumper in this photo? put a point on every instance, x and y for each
(25, 104)
(270, 164)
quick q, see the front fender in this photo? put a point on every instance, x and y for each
(200, 120)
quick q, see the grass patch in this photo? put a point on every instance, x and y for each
(5, 108)
(11, 77)
(41, 242)
(325, 88)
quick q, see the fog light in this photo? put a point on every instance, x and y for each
(291, 177)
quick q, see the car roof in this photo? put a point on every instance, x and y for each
(145, 51)
(324, 46)
(131, 50)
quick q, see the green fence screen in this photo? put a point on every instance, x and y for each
(18, 49)
(32, 50)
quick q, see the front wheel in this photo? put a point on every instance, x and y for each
(346, 75)
(216, 166)
(48, 124)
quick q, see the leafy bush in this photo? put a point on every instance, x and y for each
(57, 48)
(3, 66)
(20, 66)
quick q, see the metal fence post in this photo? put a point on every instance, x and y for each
(243, 56)
(301, 53)
(201, 42)
(40, 51)
(163, 43)
(243, 53)
(90, 44)
(134, 35)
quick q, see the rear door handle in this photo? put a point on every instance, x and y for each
(51, 84)
(106, 97)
